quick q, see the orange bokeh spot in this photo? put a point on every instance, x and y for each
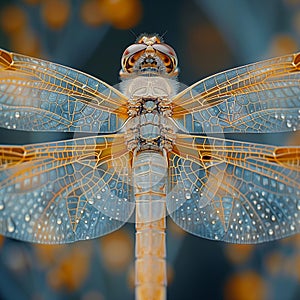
(91, 13)
(55, 13)
(72, 272)
(55, 279)
(274, 263)
(131, 277)
(48, 254)
(296, 237)
(283, 44)
(294, 140)
(246, 286)
(122, 14)
(289, 240)
(26, 42)
(12, 19)
(71, 268)
(1, 240)
(297, 266)
(114, 259)
(238, 254)
(170, 274)
(67, 265)
(175, 229)
(291, 2)
(215, 49)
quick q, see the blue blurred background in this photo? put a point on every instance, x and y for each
(209, 36)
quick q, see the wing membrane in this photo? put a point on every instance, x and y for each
(260, 97)
(44, 96)
(233, 191)
(64, 191)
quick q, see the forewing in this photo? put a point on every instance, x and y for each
(260, 97)
(65, 191)
(233, 191)
(44, 96)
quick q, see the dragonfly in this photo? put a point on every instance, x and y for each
(145, 150)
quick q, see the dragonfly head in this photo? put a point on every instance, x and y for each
(149, 55)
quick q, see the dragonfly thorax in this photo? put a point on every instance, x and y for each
(150, 105)
(150, 126)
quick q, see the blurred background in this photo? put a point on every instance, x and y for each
(209, 36)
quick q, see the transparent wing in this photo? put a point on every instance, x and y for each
(233, 191)
(43, 96)
(260, 97)
(64, 191)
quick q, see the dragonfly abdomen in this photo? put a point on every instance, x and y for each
(149, 169)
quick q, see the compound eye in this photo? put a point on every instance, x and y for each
(130, 56)
(165, 49)
(135, 48)
(167, 55)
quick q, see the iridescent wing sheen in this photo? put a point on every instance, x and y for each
(233, 191)
(65, 191)
(44, 96)
(260, 97)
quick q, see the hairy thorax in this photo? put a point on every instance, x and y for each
(149, 126)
